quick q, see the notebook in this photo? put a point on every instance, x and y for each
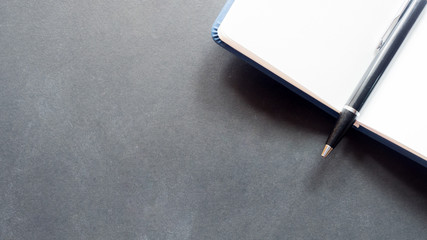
(321, 49)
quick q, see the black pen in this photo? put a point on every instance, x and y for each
(388, 47)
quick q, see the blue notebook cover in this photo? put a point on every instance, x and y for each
(217, 39)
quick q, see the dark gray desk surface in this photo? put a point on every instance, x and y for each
(124, 120)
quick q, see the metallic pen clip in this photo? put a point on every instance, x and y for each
(392, 25)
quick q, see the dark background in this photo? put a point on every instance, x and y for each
(124, 120)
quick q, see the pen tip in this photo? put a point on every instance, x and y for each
(328, 149)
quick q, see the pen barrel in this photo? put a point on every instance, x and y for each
(344, 122)
(386, 54)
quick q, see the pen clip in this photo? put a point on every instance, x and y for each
(393, 25)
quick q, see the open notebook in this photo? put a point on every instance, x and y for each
(321, 49)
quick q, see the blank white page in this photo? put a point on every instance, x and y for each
(396, 108)
(324, 48)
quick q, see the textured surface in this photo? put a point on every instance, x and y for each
(124, 120)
